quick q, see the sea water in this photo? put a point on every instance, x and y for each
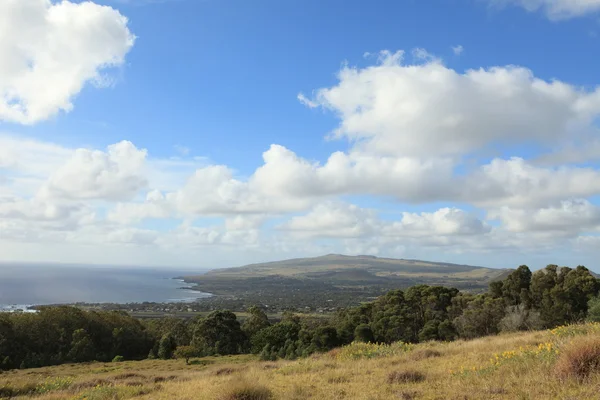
(26, 284)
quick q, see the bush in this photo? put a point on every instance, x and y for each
(408, 376)
(519, 318)
(246, 391)
(423, 354)
(594, 310)
(579, 359)
(364, 334)
(118, 359)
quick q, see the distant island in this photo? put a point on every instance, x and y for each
(323, 284)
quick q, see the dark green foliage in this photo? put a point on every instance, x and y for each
(186, 352)
(82, 348)
(364, 333)
(219, 333)
(275, 336)
(515, 287)
(166, 346)
(481, 317)
(325, 338)
(256, 321)
(561, 295)
(594, 310)
(66, 334)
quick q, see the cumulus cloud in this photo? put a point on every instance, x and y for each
(334, 219)
(569, 217)
(116, 174)
(428, 109)
(443, 222)
(555, 9)
(50, 50)
(517, 183)
(343, 220)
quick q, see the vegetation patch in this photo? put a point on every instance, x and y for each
(225, 371)
(246, 391)
(338, 379)
(359, 350)
(424, 354)
(408, 376)
(579, 359)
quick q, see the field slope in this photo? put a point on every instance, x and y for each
(528, 365)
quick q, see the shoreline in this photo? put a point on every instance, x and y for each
(195, 296)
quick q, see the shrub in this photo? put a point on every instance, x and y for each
(579, 359)
(118, 359)
(52, 384)
(408, 376)
(246, 391)
(594, 310)
(363, 333)
(423, 354)
(358, 350)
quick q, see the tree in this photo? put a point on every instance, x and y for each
(82, 348)
(364, 333)
(275, 336)
(256, 321)
(166, 347)
(219, 333)
(594, 309)
(185, 352)
(480, 318)
(515, 288)
(325, 338)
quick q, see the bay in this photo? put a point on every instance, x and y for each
(28, 284)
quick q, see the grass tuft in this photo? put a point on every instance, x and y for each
(408, 376)
(424, 354)
(224, 371)
(246, 391)
(579, 359)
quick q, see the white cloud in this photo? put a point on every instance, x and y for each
(518, 183)
(443, 222)
(334, 219)
(49, 51)
(556, 9)
(306, 101)
(569, 217)
(116, 174)
(417, 134)
(428, 109)
(458, 50)
(342, 220)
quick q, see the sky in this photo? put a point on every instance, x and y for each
(215, 133)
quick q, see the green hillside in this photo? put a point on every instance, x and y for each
(336, 280)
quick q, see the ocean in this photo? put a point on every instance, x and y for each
(24, 284)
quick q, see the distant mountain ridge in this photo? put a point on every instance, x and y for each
(338, 278)
(331, 264)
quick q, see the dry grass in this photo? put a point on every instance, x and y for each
(419, 355)
(409, 376)
(449, 371)
(246, 391)
(579, 359)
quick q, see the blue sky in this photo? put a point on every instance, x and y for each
(440, 162)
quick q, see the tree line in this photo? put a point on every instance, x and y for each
(523, 301)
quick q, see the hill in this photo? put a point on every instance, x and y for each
(526, 365)
(334, 280)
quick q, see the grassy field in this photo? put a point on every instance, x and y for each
(559, 364)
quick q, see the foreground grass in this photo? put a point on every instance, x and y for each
(515, 366)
